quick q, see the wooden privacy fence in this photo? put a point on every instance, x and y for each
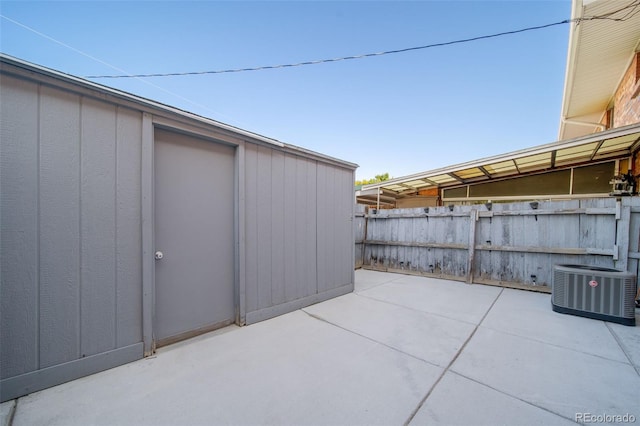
(514, 245)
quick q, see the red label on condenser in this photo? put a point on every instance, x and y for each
(593, 283)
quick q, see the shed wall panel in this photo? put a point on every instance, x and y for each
(264, 236)
(278, 264)
(299, 230)
(324, 230)
(335, 227)
(71, 227)
(97, 228)
(344, 225)
(306, 232)
(128, 228)
(251, 231)
(291, 200)
(345, 189)
(280, 228)
(59, 227)
(71, 220)
(18, 227)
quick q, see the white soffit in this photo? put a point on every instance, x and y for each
(600, 51)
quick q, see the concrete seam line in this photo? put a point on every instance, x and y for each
(512, 396)
(617, 339)
(455, 357)
(319, 318)
(414, 310)
(12, 412)
(372, 287)
(555, 345)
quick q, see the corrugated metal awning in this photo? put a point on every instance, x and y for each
(610, 144)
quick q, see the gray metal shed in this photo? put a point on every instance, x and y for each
(94, 182)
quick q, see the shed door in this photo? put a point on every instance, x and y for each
(194, 231)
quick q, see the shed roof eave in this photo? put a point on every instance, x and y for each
(149, 103)
(131, 97)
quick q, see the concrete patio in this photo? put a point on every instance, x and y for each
(399, 350)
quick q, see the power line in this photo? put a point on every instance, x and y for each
(608, 16)
(324, 61)
(107, 64)
(634, 6)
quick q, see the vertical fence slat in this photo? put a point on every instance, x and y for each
(473, 219)
(622, 236)
(514, 244)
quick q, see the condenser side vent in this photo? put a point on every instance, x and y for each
(594, 292)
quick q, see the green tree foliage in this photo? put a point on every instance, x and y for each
(378, 178)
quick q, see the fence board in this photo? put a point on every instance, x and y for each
(513, 244)
(360, 224)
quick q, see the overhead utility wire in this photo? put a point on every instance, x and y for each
(108, 64)
(607, 16)
(324, 61)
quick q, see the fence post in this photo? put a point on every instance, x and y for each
(623, 228)
(364, 237)
(473, 219)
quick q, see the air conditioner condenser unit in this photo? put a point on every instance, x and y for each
(594, 292)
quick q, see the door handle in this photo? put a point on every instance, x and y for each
(159, 255)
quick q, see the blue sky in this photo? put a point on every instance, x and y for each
(401, 113)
